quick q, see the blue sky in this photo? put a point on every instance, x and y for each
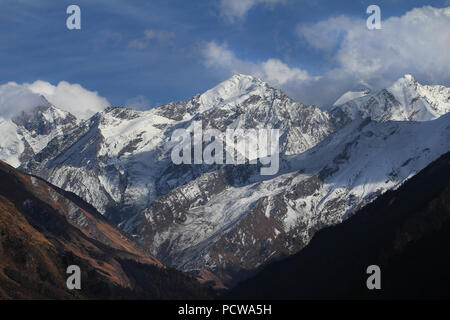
(146, 53)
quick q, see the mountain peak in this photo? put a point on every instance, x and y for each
(244, 77)
(240, 81)
(405, 100)
(351, 95)
(231, 89)
(409, 77)
(44, 113)
(407, 80)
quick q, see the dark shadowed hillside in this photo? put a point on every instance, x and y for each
(43, 230)
(406, 232)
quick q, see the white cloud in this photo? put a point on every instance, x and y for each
(326, 35)
(272, 70)
(233, 9)
(218, 55)
(279, 73)
(151, 34)
(416, 43)
(15, 98)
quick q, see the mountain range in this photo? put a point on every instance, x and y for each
(405, 232)
(228, 221)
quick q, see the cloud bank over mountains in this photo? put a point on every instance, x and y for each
(15, 98)
(273, 71)
(417, 42)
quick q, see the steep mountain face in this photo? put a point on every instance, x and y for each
(405, 232)
(405, 100)
(228, 219)
(359, 91)
(28, 133)
(231, 229)
(119, 160)
(44, 229)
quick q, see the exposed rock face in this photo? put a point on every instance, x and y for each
(44, 229)
(229, 219)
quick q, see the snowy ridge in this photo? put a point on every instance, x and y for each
(350, 95)
(122, 156)
(229, 219)
(29, 132)
(318, 187)
(11, 144)
(234, 90)
(406, 99)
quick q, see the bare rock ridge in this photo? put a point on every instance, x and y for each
(44, 229)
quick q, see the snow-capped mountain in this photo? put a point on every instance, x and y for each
(234, 228)
(406, 99)
(404, 232)
(26, 134)
(359, 91)
(119, 160)
(229, 219)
